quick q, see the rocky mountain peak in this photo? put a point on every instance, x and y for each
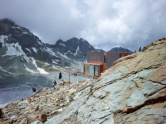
(23, 52)
(74, 39)
(75, 48)
(6, 26)
(59, 41)
(79, 41)
(120, 49)
(7, 21)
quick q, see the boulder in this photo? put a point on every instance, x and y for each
(43, 117)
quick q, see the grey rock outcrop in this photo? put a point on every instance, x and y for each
(131, 91)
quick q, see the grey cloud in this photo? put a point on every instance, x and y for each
(104, 23)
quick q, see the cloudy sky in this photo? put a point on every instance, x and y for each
(104, 23)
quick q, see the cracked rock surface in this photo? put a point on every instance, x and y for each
(132, 91)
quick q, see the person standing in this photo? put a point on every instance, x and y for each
(60, 75)
(140, 49)
(74, 74)
(34, 91)
(63, 83)
(54, 84)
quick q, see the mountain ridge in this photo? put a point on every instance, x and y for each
(19, 45)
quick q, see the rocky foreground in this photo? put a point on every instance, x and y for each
(132, 91)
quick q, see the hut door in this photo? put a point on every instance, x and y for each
(96, 70)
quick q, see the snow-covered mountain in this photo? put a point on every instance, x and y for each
(22, 52)
(74, 48)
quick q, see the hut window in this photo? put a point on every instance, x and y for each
(105, 59)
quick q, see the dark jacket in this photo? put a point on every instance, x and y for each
(34, 89)
(55, 83)
(60, 75)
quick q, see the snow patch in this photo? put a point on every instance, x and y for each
(29, 69)
(34, 49)
(54, 62)
(42, 71)
(47, 63)
(25, 32)
(68, 52)
(18, 28)
(76, 51)
(62, 44)
(4, 70)
(51, 52)
(55, 67)
(11, 57)
(28, 50)
(64, 56)
(2, 38)
(15, 50)
(39, 42)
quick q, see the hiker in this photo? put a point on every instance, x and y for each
(33, 90)
(143, 49)
(60, 75)
(54, 84)
(63, 83)
(140, 49)
(0, 44)
(76, 74)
